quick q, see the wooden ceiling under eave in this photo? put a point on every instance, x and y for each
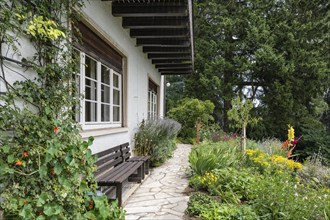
(164, 28)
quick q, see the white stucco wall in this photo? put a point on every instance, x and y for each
(97, 14)
(139, 70)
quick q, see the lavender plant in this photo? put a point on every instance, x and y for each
(156, 138)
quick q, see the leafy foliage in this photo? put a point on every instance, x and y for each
(188, 112)
(156, 138)
(206, 207)
(46, 168)
(278, 192)
(209, 156)
(240, 115)
(275, 52)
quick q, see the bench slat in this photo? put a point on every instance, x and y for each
(119, 173)
(107, 166)
(109, 151)
(104, 159)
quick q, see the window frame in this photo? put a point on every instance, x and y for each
(99, 124)
(153, 99)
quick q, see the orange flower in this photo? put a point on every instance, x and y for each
(90, 204)
(53, 171)
(25, 154)
(56, 129)
(18, 162)
(289, 154)
(285, 144)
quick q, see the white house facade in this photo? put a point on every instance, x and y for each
(126, 50)
(151, 39)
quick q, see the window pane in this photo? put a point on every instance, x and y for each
(105, 75)
(115, 80)
(90, 111)
(116, 97)
(105, 110)
(90, 68)
(90, 90)
(116, 114)
(105, 94)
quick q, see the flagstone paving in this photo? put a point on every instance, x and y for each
(161, 195)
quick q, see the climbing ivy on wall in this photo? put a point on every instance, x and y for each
(46, 169)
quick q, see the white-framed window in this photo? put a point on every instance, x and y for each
(101, 87)
(152, 101)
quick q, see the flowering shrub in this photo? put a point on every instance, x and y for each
(290, 143)
(273, 162)
(272, 194)
(156, 138)
(46, 168)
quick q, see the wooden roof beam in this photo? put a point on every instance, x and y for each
(166, 50)
(172, 61)
(148, 10)
(159, 33)
(171, 66)
(155, 22)
(162, 42)
(169, 56)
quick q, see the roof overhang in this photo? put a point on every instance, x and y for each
(164, 28)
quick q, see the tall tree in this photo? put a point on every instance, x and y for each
(275, 52)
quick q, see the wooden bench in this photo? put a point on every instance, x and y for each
(126, 153)
(113, 170)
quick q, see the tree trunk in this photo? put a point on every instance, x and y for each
(244, 139)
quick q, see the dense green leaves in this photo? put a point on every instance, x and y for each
(273, 52)
(188, 112)
(46, 168)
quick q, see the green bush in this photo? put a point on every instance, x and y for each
(207, 207)
(315, 172)
(209, 156)
(271, 146)
(188, 112)
(300, 193)
(279, 196)
(156, 138)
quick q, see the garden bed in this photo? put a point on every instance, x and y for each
(260, 183)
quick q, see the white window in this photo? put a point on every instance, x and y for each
(101, 86)
(152, 101)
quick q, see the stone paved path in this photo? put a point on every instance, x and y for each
(161, 195)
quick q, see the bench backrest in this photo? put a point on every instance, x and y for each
(126, 151)
(107, 159)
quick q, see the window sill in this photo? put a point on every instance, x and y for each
(101, 132)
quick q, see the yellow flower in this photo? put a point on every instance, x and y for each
(290, 133)
(250, 152)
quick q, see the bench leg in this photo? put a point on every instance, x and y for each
(119, 193)
(136, 177)
(142, 171)
(146, 167)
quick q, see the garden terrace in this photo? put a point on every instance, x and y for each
(163, 28)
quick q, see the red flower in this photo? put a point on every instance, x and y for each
(18, 162)
(294, 142)
(53, 171)
(25, 154)
(56, 129)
